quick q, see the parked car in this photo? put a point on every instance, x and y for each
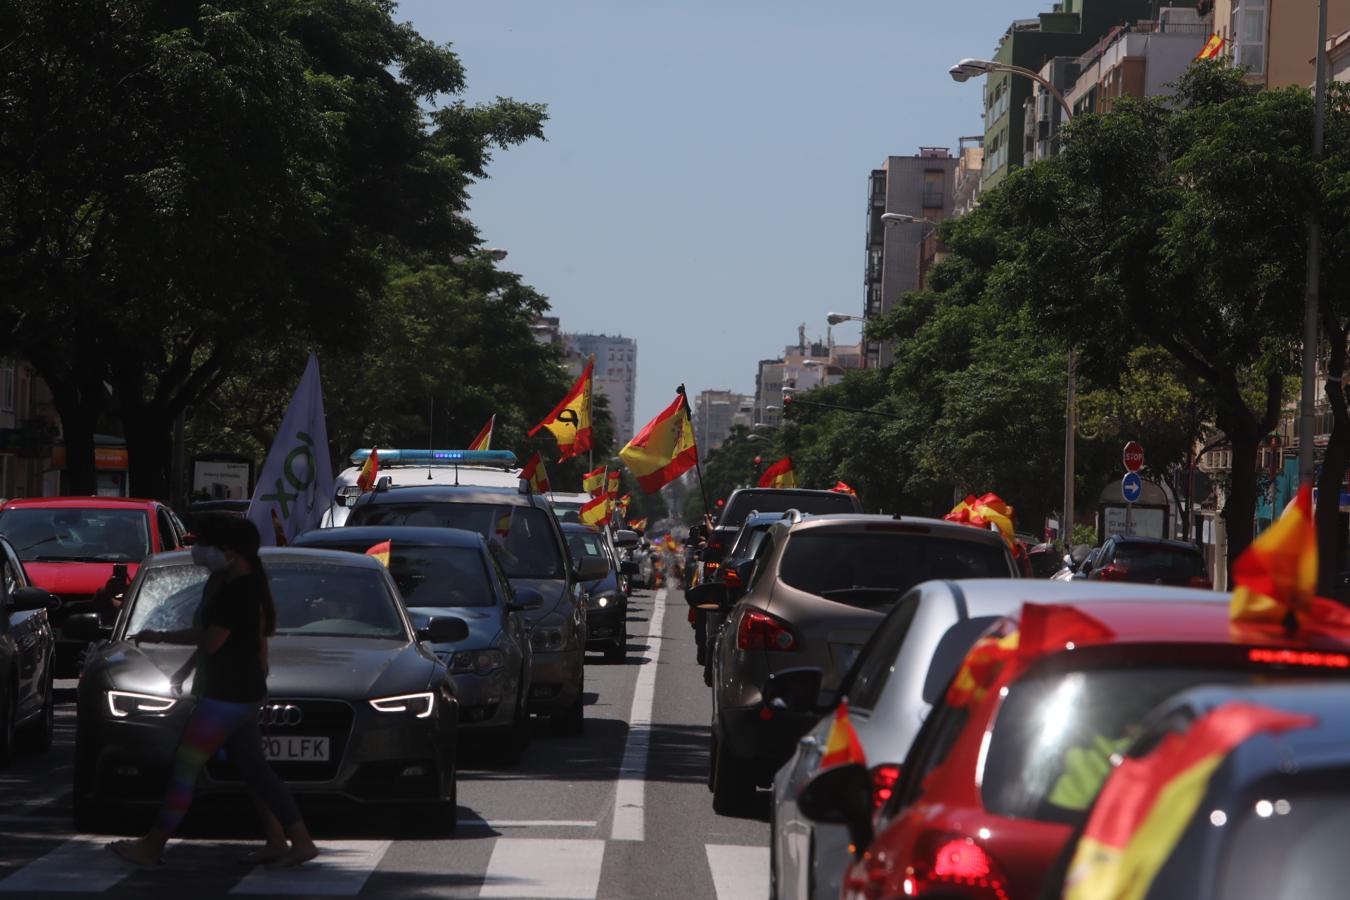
(27, 660)
(449, 572)
(606, 600)
(1005, 767)
(744, 501)
(85, 551)
(418, 468)
(1273, 816)
(815, 591)
(528, 542)
(358, 708)
(1146, 560)
(708, 622)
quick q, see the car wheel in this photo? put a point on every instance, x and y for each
(7, 728)
(37, 735)
(733, 785)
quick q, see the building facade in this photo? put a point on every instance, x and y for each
(615, 374)
(1141, 59)
(716, 413)
(30, 433)
(1274, 40)
(969, 165)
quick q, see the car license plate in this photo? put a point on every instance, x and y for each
(296, 749)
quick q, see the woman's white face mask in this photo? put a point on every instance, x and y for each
(213, 558)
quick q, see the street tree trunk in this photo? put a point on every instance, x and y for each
(149, 454)
(79, 414)
(1245, 430)
(1333, 469)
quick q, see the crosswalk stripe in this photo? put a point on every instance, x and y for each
(739, 872)
(340, 871)
(80, 865)
(534, 867)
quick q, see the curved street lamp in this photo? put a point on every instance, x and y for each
(968, 68)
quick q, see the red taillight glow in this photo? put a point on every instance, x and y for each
(884, 778)
(730, 577)
(1113, 572)
(961, 859)
(761, 631)
(957, 861)
(1311, 658)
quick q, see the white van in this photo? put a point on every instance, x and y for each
(478, 468)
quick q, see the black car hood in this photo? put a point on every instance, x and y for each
(351, 668)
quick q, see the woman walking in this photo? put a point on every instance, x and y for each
(232, 626)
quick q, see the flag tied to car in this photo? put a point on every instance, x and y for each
(1147, 802)
(370, 470)
(484, 439)
(570, 421)
(593, 482)
(596, 510)
(988, 511)
(535, 476)
(381, 551)
(779, 475)
(295, 486)
(1275, 578)
(665, 448)
(842, 745)
(841, 488)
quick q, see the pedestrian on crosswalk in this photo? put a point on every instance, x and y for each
(236, 617)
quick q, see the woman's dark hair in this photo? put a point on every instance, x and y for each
(239, 535)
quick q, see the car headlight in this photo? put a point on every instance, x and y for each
(550, 634)
(477, 662)
(128, 703)
(601, 601)
(419, 705)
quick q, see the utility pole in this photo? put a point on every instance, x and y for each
(1308, 411)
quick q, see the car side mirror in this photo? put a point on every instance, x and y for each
(841, 795)
(592, 568)
(793, 690)
(443, 630)
(189, 539)
(30, 598)
(526, 599)
(84, 627)
(711, 594)
(628, 567)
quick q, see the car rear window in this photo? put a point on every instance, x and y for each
(819, 504)
(521, 536)
(874, 569)
(1158, 560)
(78, 535)
(1287, 842)
(1056, 731)
(436, 576)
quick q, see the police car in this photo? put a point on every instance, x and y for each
(477, 468)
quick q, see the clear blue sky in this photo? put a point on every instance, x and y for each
(703, 183)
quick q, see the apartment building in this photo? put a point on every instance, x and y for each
(30, 431)
(716, 413)
(969, 165)
(802, 366)
(1274, 40)
(615, 374)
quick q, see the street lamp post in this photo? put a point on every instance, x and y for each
(964, 71)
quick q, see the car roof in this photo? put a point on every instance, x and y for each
(445, 493)
(413, 535)
(278, 554)
(78, 503)
(561, 497)
(899, 524)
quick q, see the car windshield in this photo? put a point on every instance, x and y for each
(521, 536)
(78, 535)
(1287, 844)
(312, 599)
(873, 569)
(436, 576)
(817, 503)
(1056, 732)
(1160, 560)
(583, 545)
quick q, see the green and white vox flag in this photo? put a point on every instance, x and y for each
(296, 484)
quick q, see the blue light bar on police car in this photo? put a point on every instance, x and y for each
(392, 457)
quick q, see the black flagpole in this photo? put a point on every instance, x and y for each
(698, 465)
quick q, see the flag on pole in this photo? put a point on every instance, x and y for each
(1211, 48)
(842, 745)
(638, 524)
(612, 485)
(596, 510)
(370, 470)
(296, 482)
(779, 475)
(593, 482)
(570, 421)
(535, 475)
(664, 449)
(381, 551)
(484, 439)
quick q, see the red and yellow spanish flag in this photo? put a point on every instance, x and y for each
(370, 469)
(593, 482)
(988, 511)
(1277, 575)
(503, 526)
(1212, 47)
(612, 484)
(664, 449)
(1146, 803)
(381, 552)
(535, 476)
(983, 663)
(570, 421)
(596, 510)
(779, 475)
(841, 488)
(842, 745)
(484, 439)
(638, 524)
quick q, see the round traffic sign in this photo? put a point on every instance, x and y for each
(1133, 456)
(1131, 486)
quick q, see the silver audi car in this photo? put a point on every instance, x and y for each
(359, 710)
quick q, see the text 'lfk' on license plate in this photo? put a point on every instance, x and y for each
(291, 747)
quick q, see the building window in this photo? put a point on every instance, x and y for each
(7, 382)
(1248, 28)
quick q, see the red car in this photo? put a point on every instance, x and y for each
(1006, 767)
(73, 547)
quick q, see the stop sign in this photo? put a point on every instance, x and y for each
(1134, 456)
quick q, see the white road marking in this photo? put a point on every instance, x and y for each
(340, 871)
(80, 865)
(532, 867)
(527, 823)
(739, 871)
(630, 790)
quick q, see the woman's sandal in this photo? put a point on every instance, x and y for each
(130, 851)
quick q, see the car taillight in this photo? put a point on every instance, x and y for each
(730, 577)
(884, 778)
(944, 862)
(761, 631)
(1112, 572)
(713, 551)
(1200, 581)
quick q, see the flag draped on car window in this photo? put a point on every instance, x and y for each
(570, 421)
(535, 476)
(484, 439)
(779, 475)
(665, 448)
(296, 483)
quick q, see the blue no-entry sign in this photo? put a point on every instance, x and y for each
(1131, 486)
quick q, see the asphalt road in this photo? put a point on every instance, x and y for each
(623, 811)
